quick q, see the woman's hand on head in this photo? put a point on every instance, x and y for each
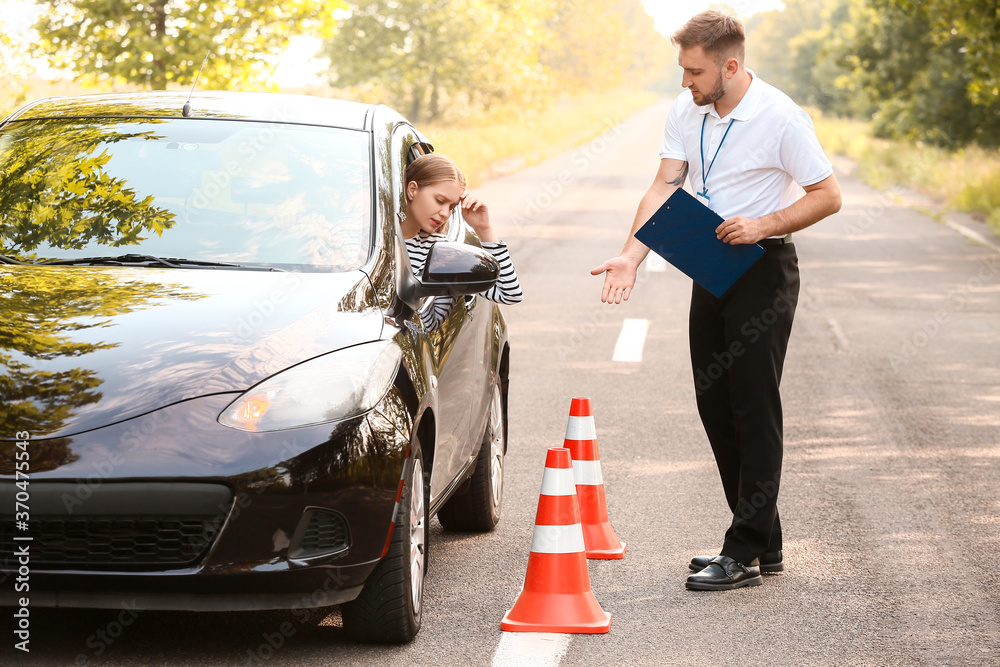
(477, 214)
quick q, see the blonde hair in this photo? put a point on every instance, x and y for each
(722, 36)
(432, 168)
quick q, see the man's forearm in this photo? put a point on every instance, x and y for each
(668, 179)
(816, 204)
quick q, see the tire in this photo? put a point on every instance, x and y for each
(389, 608)
(477, 508)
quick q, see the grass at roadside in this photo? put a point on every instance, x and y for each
(492, 145)
(964, 180)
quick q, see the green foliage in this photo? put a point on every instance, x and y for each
(53, 306)
(912, 60)
(420, 53)
(431, 58)
(54, 189)
(982, 193)
(598, 46)
(967, 179)
(972, 24)
(796, 49)
(924, 70)
(157, 42)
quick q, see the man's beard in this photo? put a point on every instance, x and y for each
(715, 95)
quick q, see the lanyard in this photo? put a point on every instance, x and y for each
(704, 172)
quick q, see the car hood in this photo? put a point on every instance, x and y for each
(84, 347)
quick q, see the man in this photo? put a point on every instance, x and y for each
(744, 145)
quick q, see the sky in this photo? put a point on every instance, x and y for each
(298, 68)
(672, 14)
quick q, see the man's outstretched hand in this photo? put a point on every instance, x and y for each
(619, 280)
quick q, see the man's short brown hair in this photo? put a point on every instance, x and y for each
(722, 36)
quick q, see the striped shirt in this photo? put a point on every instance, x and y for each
(507, 289)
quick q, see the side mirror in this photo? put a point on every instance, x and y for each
(451, 269)
(455, 269)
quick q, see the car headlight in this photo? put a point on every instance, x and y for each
(336, 386)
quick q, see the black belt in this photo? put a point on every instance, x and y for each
(781, 241)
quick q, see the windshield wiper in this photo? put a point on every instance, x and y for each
(130, 258)
(4, 259)
(172, 262)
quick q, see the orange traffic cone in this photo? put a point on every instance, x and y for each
(581, 440)
(556, 595)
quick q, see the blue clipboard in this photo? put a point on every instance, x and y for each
(682, 231)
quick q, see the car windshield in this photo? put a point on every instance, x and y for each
(218, 191)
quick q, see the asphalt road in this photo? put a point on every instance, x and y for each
(890, 497)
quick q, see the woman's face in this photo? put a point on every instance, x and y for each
(430, 206)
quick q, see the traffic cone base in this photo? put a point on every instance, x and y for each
(574, 626)
(599, 537)
(556, 596)
(556, 599)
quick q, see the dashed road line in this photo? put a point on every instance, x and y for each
(631, 340)
(838, 333)
(530, 649)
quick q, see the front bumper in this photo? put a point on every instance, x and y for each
(174, 511)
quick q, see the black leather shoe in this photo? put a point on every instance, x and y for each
(725, 574)
(770, 563)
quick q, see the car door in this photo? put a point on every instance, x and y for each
(455, 329)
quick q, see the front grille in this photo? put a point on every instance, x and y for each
(319, 533)
(114, 542)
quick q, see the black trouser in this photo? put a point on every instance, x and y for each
(738, 344)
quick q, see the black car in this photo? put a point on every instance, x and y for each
(221, 388)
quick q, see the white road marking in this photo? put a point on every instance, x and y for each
(972, 235)
(530, 649)
(631, 340)
(655, 263)
(838, 333)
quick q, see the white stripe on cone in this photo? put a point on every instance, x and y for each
(588, 472)
(558, 482)
(581, 428)
(558, 539)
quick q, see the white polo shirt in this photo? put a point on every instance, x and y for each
(771, 147)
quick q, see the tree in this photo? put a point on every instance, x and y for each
(54, 188)
(427, 57)
(600, 46)
(795, 49)
(929, 68)
(153, 43)
(423, 55)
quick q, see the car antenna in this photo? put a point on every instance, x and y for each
(187, 105)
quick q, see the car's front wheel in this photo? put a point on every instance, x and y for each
(478, 507)
(389, 608)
